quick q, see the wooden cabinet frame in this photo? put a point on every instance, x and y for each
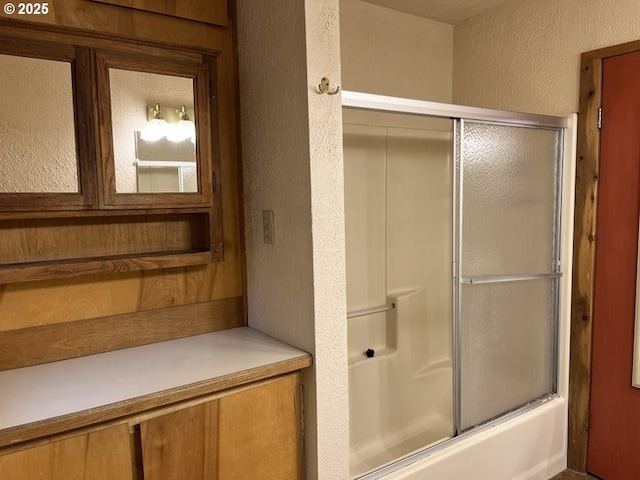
(199, 72)
(111, 220)
(79, 58)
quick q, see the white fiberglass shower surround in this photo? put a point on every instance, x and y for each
(454, 274)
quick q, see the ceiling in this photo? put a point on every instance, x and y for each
(447, 11)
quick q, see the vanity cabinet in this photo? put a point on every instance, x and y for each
(223, 405)
(251, 433)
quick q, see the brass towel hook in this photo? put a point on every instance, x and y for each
(324, 87)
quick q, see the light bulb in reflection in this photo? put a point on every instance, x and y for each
(184, 129)
(156, 128)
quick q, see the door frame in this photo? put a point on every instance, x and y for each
(584, 248)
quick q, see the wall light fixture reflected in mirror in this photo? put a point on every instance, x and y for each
(184, 129)
(157, 126)
(174, 124)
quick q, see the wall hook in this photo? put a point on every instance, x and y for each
(324, 87)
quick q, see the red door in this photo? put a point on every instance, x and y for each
(614, 422)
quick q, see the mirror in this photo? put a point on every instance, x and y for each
(165, 166)
(153, 132)
(38, 145)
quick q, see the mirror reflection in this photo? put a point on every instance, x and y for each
(153, 132)
(164, 165)
(37, 134)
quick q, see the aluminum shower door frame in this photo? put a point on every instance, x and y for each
(459, 114)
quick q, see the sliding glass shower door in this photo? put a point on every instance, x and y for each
(507, 267)
(487, 198)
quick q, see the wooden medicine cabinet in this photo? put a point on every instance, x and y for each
(89, 183)
(44, 135)
(179, 84)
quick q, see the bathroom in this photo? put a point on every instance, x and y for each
(376, 43)
(292, 140)
(400, 212)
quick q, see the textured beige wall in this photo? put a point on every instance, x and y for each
(526, 55)
(327, 214)
(292, 161)
(392, 53)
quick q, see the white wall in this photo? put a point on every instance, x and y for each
(392, 53)
(526, 55)
(292, 161)
(327, 213)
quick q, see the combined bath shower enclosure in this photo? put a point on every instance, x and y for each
(453, 221)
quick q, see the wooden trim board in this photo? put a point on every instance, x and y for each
(104, 334)
(205, 11)
(583, 261)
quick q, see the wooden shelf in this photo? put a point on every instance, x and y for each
(133, 213)
(62, 247)
(28, 272)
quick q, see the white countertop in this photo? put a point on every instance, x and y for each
(43, 392)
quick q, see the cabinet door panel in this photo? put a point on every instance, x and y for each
(45, 162)
(260, 432)
(182, 444)
(253, 434)
(98, 455)
(126, 83)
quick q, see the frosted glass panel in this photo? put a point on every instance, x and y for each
(509, 185)
(506, 340)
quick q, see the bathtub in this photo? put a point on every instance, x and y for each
(401, 398)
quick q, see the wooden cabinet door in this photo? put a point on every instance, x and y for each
(260, 434)
(252, 434)
(97, 455)
(181, 445)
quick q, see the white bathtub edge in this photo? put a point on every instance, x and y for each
(529, 447)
